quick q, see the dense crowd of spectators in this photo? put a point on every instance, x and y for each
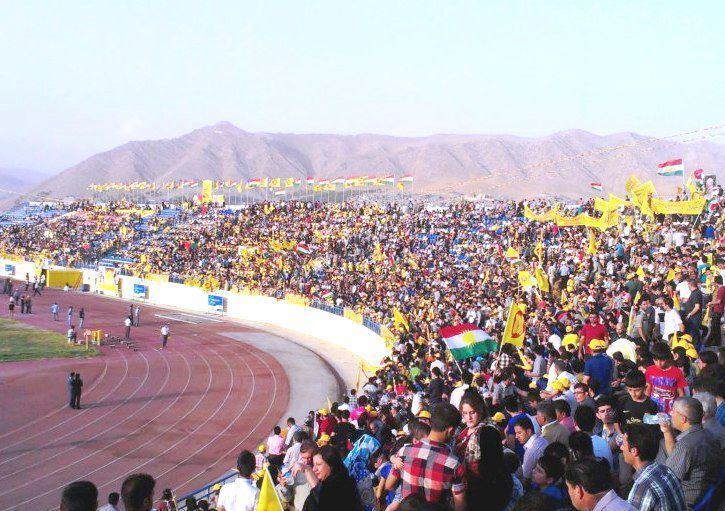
(614, 401)
(81, 233)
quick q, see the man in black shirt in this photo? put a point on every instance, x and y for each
(632, 409)
(693, 312)
(635, 404)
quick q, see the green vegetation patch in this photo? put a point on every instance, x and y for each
(19, 341)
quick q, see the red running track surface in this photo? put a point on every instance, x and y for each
(181, 414)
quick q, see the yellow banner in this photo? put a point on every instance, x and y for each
(353, 316)
(207, 187)
(547, 216)
(59, 278)
(683, 207)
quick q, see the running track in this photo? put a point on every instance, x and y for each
(180, 414)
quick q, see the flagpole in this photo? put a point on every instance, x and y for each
(460, 370)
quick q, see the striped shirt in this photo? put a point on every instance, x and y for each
(695, 461)
(656, 488)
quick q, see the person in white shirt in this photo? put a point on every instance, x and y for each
(292, 428)
(164, 336)
(439, 364)
(241, 494)
(112, 505)
(673, 322)
(683, 287)
(457, 393)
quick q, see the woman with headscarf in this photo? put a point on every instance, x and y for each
(332, 488)
(475, 416)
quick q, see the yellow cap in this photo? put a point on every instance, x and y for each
(498, 417)
(558, 386)
(692, 353)
(597, 344)
(261, 448)
(424, 414)
(216, 487)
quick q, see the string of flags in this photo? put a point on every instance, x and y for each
(272, 183)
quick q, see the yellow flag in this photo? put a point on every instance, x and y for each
(592, 249)
(617, 201)
(289, 182)
(268, 498)
(640, 272)
(512, 253)
(275, 183)
(670, 275)
(525, 279)
(542, 280)
(399, 320)
(206, 190)
(515, 326)
(539, 251)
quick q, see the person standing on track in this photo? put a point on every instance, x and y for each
(11, 307)
(81, 318)
(55, 309)
(77, 389)
(36, 289)
(71, 393)
(70, 315)
(128, 323)
(137, 318)
(164, 335)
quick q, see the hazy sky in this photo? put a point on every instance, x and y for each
(82, 77)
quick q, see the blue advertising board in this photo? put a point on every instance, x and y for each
(216, 303)
(10, 269)
(139, 291)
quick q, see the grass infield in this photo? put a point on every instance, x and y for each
(19, 341)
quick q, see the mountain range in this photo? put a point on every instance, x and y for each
(562, 164)
(13, 181)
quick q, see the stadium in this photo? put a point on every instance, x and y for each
(315, 316)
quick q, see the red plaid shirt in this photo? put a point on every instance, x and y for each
(431, 471)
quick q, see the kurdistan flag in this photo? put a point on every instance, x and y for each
(467, 340)
(671, 168)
